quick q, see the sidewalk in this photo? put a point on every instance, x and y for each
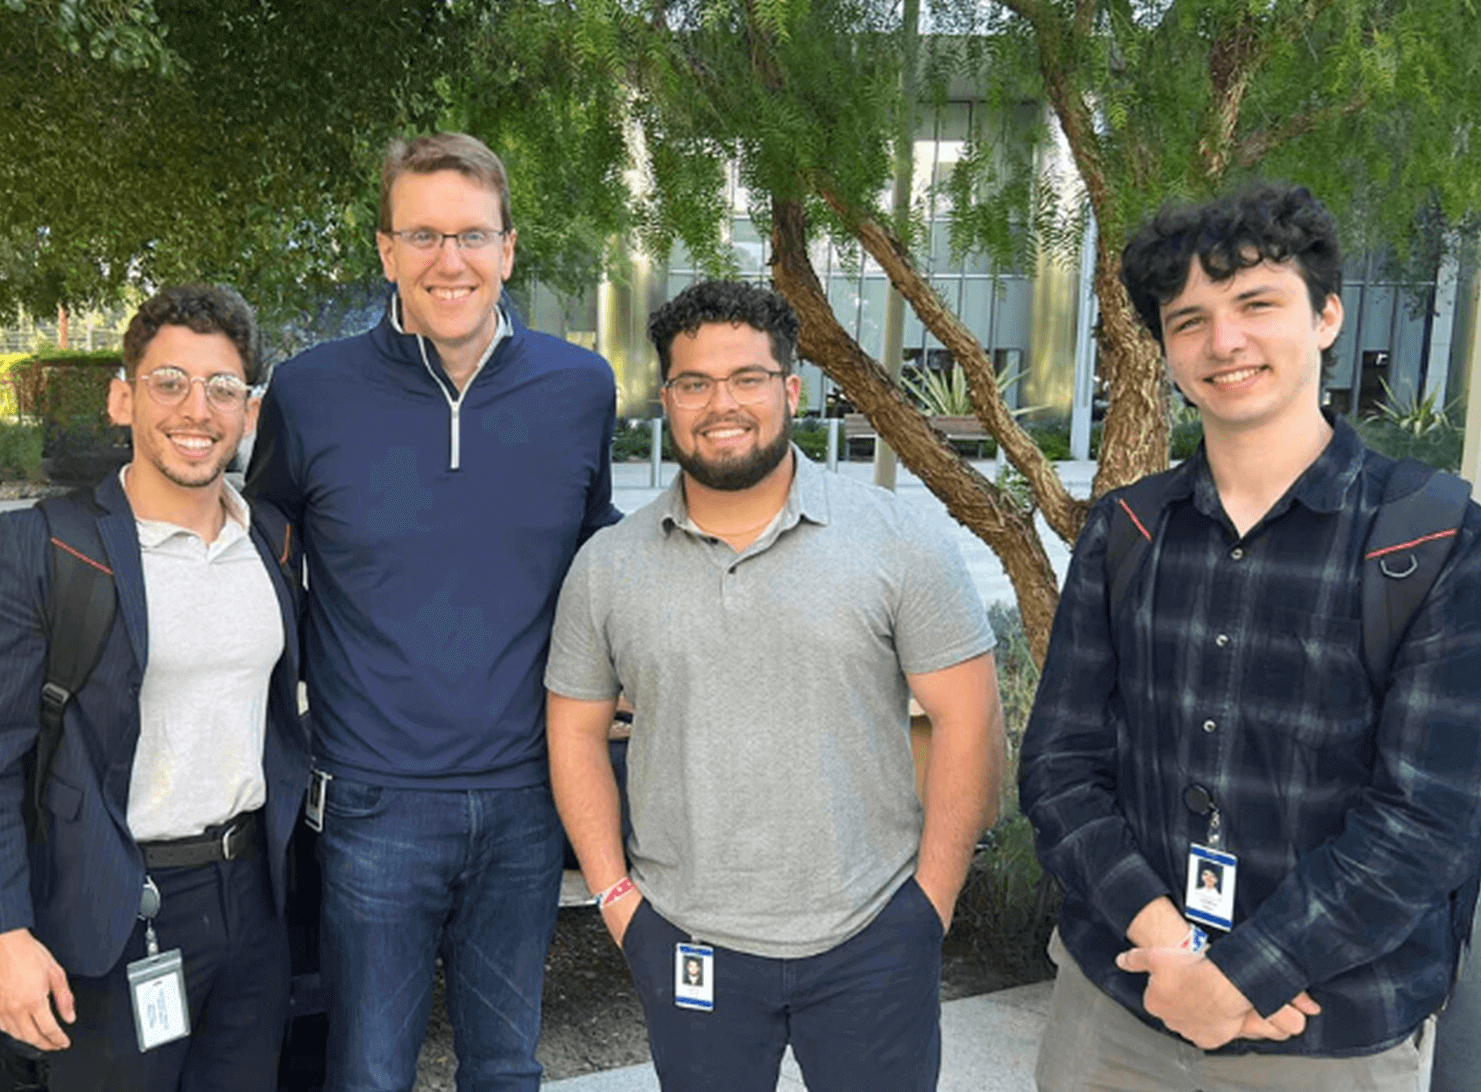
(988, 1044)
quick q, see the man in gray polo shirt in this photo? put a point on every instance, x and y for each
(769, 622)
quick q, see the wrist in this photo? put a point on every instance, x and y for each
(622, 889)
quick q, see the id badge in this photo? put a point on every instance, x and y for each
(1209, 899)
(157, 987)
(313, 808)
(694, 977)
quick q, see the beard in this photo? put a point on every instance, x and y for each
(733, 475)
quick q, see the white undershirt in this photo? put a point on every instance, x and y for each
(215, 633)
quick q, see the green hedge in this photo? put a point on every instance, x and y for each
(20, 452)
(67, 393)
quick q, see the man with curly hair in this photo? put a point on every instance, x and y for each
(182, 762)
(1212, 713)
(769, 622)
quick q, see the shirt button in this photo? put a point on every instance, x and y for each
(1209, 726)
(1221, 640)
(1237, 553)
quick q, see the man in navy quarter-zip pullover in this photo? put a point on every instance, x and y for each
(443, 469)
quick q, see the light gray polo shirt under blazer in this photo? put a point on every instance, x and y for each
(769, 775)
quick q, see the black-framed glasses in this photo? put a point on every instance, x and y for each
(747, 386)
(427, 239)
(168, 386)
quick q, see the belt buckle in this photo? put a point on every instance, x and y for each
(227, 849)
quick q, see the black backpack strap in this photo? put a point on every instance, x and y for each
(1133, 527)
(1410, 539)
(79, 616)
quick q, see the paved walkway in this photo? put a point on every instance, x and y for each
(988, 1044)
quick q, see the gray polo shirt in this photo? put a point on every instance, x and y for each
(769, 775)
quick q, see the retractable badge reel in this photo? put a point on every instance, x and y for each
(157, 983)
(1209, 897)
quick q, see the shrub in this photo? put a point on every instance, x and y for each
(8, 408)
(1186, 436)
(1440, 446)
(20, 452)
(1008, 905)
(811, 435)
(67, 393)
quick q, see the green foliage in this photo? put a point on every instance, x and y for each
(1413, 414)
(67, 392)
(1366, 101)
(124, 33)
(1186, 436)
(20, 451)
(8, 408)
(255, 159)
(1440, 446)
(942, 393)
(1008, 906)
(632, 441)
(811, 435)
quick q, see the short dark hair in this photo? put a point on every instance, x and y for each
(204, 308)
(1258, 222)
(435, 152)
(733, 302)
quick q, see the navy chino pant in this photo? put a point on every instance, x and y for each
(864, 1015)
(235, 949)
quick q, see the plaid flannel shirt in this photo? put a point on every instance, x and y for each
(1235, 663)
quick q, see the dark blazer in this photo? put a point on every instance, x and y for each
(79, 892)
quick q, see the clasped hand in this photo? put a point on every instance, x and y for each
(1193, 998)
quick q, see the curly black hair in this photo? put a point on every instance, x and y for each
(204, 308)
(1258, 222)
(733, 302)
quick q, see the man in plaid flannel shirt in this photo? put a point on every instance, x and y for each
(1222, 712)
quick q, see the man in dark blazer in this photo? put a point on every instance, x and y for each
(183, 762)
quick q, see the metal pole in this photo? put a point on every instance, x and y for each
(655, 456)
(1470, 460)
(833, 425)
(894, 316)
(1082, 401)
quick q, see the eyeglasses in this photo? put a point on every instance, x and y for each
(747, 387)
(169, 386)
(427, 239)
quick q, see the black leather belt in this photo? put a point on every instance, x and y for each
(227, 842)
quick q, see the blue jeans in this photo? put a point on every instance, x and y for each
(410, 875)
(864, 1016)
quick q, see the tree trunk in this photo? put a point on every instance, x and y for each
(1134, 440)
(971, 499)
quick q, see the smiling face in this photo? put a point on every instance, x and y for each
(186, 446)
(448, 295)
(1247, 350)
(724, 445)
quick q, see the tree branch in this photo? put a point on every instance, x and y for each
(1063, 512)
(971, 499)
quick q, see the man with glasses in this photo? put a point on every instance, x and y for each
(442, 468)
(769, 622)
(182, 763)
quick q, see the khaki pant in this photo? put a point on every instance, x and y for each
(1092, 1044)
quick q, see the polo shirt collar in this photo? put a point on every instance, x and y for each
(807, 498)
